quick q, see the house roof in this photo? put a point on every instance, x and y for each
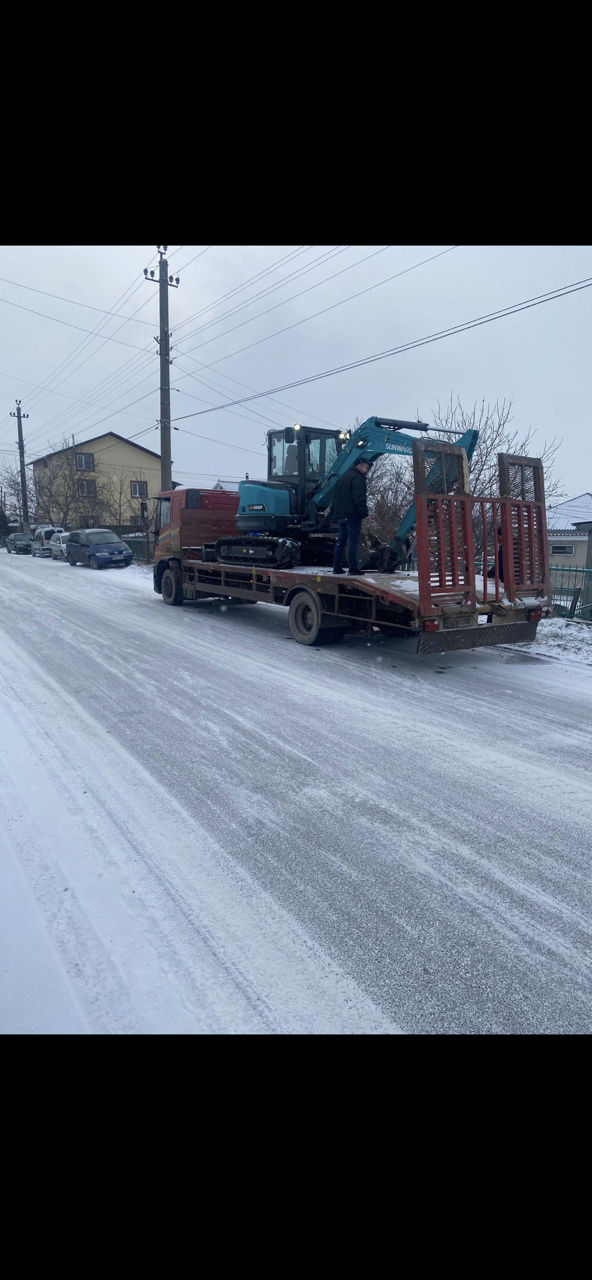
(228, 485)
(566, 515)
(91, 440)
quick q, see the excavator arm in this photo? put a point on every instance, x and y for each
(374, 438)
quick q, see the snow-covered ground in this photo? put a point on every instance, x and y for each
(561, 638)
(208, 828)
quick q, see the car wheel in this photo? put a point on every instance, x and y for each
(94, 564)
(71, 561)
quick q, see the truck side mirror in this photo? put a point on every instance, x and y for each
(289, 436)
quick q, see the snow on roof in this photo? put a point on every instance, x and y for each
(230, 485)
(567, 514)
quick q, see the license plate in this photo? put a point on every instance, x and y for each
(458, 622)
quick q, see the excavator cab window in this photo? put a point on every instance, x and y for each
(330, 454)
(283, 458)
(320, 452)
(313, 458)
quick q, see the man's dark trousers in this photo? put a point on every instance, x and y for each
(349, 531)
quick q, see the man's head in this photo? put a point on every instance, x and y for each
(363, 465)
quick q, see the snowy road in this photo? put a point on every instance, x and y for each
(206, 827)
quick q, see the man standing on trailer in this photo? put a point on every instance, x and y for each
(349, 509)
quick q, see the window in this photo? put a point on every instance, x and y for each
(562, 549)
(136, 520)
(163, 513)
(87, 488)
(313, 456)
(330, 453)
(85, 461)
(139, 488)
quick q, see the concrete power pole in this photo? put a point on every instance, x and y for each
(164, 283)
(21, 449)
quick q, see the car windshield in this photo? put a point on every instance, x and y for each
(103, 535)
(22, 537)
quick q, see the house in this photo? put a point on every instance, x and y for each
(106, 480)
(568, 524)
(229, 486)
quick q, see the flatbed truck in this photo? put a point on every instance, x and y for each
(448, 602)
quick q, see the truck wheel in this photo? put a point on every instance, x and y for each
(305, 621)
(171, 588)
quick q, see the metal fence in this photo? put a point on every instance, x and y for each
(571, 592)
(141, 548)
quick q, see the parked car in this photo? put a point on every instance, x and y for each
(58, 546)
(20, 543)
(43, 535)
(97, 548)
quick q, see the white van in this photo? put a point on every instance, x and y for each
(43, 534)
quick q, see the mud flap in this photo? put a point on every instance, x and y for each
(476, 637)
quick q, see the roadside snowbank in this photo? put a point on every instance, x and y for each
(562, 638)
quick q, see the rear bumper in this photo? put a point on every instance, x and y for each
(476, 637)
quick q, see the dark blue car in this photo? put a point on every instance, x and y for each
(98, 548)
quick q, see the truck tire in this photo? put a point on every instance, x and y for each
(304, 617)
(170, 587)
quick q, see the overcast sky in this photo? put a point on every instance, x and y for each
(230, 341)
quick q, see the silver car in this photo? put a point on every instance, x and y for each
(58, 546)
(19, 544)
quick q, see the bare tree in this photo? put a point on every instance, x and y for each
(10, 479)
(496, 435)
(122, 508)
(390, 493)
(64, 494)
(390, 483)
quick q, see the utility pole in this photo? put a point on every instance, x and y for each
(21, 449)
(164, 283)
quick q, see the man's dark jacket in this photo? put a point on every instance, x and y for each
(350, 496)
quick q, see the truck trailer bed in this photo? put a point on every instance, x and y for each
(389, 602)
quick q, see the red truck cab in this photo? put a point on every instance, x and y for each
(189, 522)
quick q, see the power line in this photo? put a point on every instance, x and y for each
(212, 387)
(294, 275)
(295, 253)
(285, 302)
(45, 388)
(212, 441)
(87, 306)
(333, 306)
(513, 309)
(178, 270)
(219, 373)
(68, 323)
